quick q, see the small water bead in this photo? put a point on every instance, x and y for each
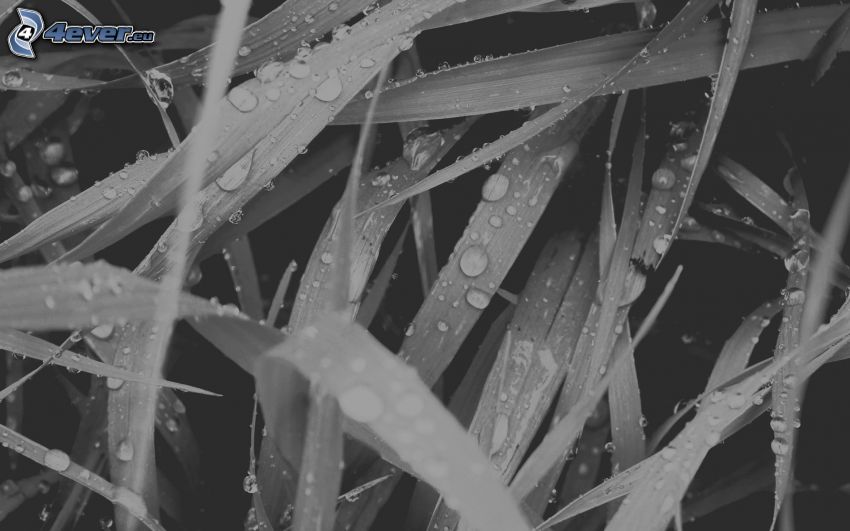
(405, 44)
(410, 330)
(236, 175)
(244, 51)
(778, 425)
(688, 163)
(114, 383)
(495, 188)
(495, 221)
(329, 89)
(125, 451)
(243, 99)
(663, 179)
(8, 168)
(103, 331)
(236, 217)
(610, 447)
(50, 302)
(269, 71)
(442, 326)
(24, 194)
(779, 446)
(477, 298)
(52, 153)
(327, 258)
(249, 484)
(57, 460)
(473, 261)
(361, 404)
(797, 261)
(367, 62)
(272, 93)
(171, 425)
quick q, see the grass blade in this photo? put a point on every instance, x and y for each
(828, 46)
(383, 396)
(240, 262)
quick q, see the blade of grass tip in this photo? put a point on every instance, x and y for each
(254, 117)
(788, 390)
(828, 46)
(607, 221)
(732, 360)
(421, 213)
(243, 272)
(280, 293)
(756, 192)
(627, 434)
(741, 20)
(684, 22)
(29, 346)
(60, 462)
(394, 402)
(140, 402)
(321, 465)
(567, 429)
(533, 357)
(166, 120)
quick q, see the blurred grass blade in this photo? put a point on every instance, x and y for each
(74, 296)
(626, 412)
(389, 398)
(825, 51)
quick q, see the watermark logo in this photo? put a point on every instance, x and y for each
(24, 35)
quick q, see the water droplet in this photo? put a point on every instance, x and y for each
(13, 78)
(442, 326)
(361, 404)
(778, 425)
(63, 175)
(236, 217)
(243, 99)
(161, 86)
(52, 153)
(409, 330)
(236, 174)
(327, 258)
(50, 302)
(609, 447)
(495, 221)
(367, 62)
(172, 425)
(668, 453)
(797, 261)
(406, 43)
(663, 179)
(477, 298)
(269, 71)
(795, 296)
(329, 89)
(114, 383)
(420, 146)
(473, 261)
(125, 451)
(142, 155)
(299, 69)
(495, 188)
(779, 446)
(661, 243)
(102, 331)
(244, 51)
(249, 484)
(57, 460)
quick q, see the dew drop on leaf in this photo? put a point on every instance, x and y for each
(473, 261)
(361, 404)
(495, 188)
(57, 460)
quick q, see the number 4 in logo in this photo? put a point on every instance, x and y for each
(22, 36)
(26, 33)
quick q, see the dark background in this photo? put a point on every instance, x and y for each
(719, 285)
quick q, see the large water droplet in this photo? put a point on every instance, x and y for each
(361, 404)
(161, 87)
(779, 446)
(329, 89)
(663, 179)
(243, 99)
(661, 243)
(114, 383)
(477, 298)
(52, 153)
(797, 261)
(57, 460)
(102, 331)
(299, 69)
(420, 146)
(495, 188)
(473, 261)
